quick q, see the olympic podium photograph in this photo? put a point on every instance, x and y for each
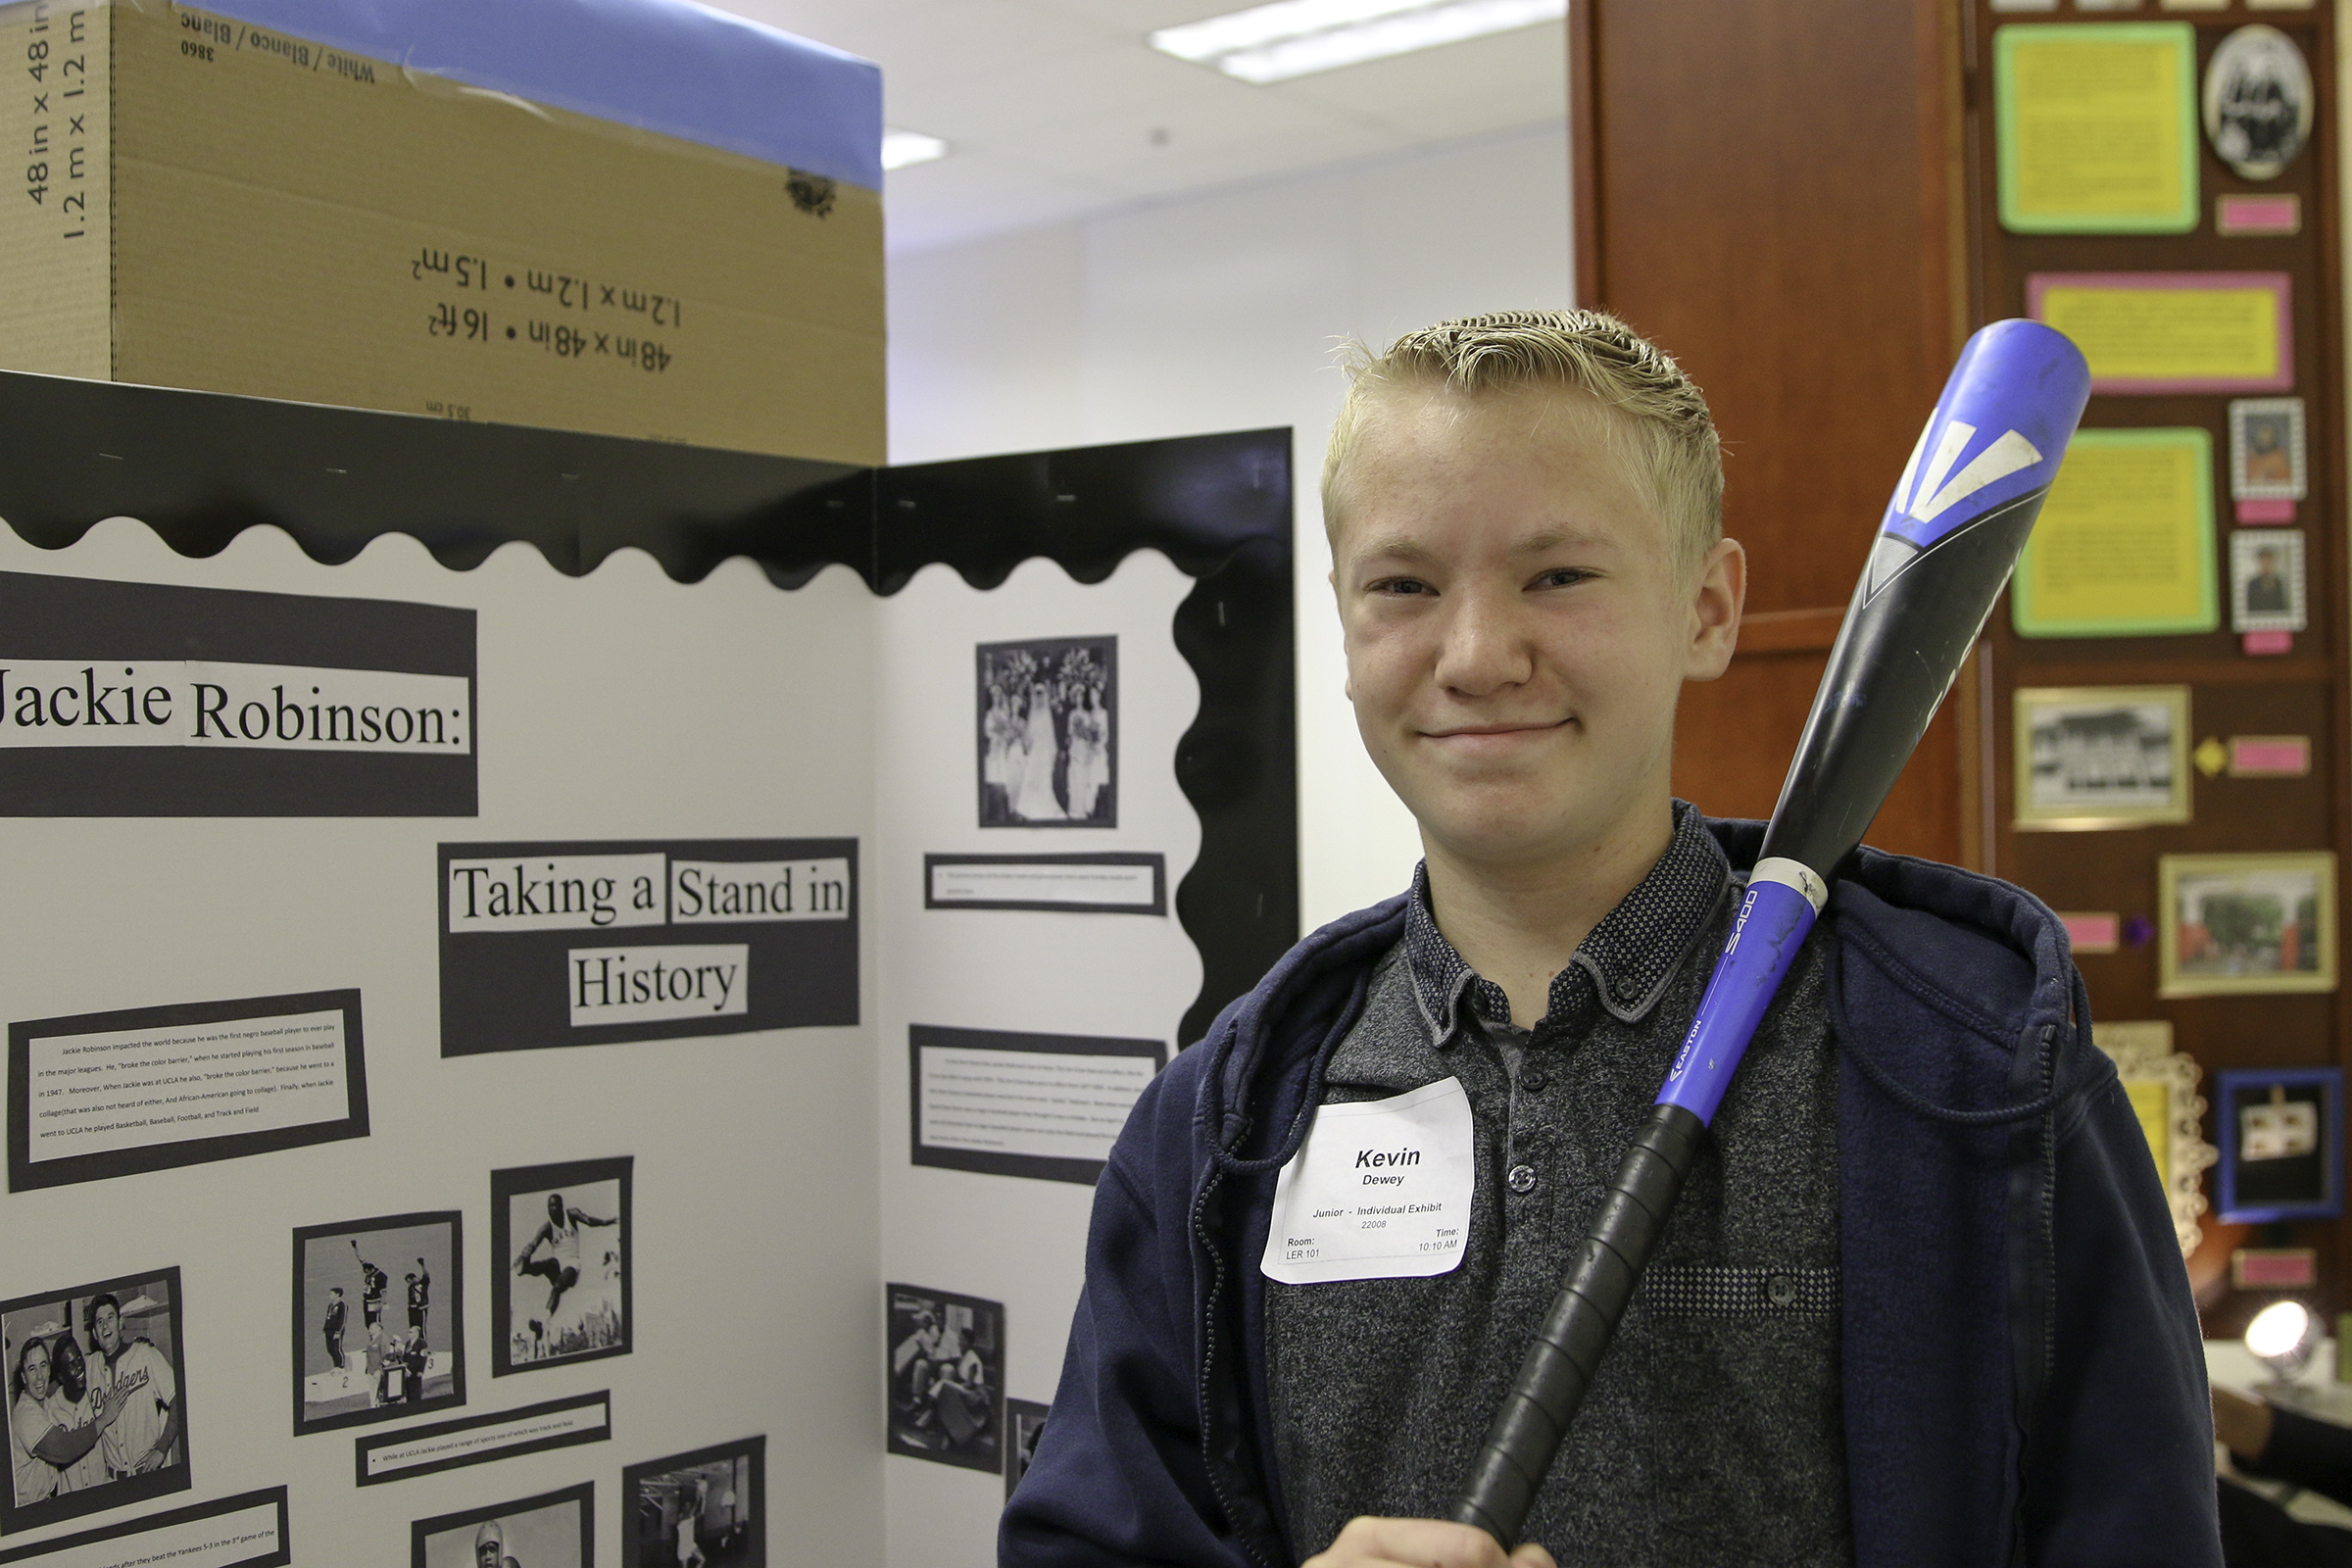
(553, 1530)
(560, 1234)
(704, 1509)
(378, 1312)
(947, 1377)
(96, 1414)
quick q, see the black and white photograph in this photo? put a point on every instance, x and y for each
(95, 1415)
(1049, 733)
(2267, 453)
(704, 1509)
(1024, 1423)
(553, 1530)
(2258, 101)
(2102, 756)
(2265, 579)
(561, 1235)
(947, 1377)
(379, 1318)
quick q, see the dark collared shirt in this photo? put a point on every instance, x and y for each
(1712, 1433)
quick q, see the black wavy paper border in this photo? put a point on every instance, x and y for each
(201, 468)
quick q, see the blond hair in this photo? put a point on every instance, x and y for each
(1659, 429)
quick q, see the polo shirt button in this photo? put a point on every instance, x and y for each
(1522, 1179)
(1534, 1080)
(1780, 1291)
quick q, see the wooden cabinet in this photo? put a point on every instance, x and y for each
(1796, 198)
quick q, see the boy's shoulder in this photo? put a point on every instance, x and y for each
(1984, 952)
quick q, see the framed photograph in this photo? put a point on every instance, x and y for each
(73, 1352)
(2102, 756)
(2282, 1136)
(560, 1234)
(2265, 579)
(1048, 713)
(553, 1530)
(379, 1311)
(947, 1377)
(704, 1509)
(2162, 1085)
(1024, 1423)
(2266, 461)
(2257, 101)
(2233, 923)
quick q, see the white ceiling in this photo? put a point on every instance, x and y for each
(1056, 108)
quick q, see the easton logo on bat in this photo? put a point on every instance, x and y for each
(769, 940)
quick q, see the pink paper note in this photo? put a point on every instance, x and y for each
(2259, 643)
(2270, 755)
(2266, 511)
(2258, 214)
(2093, 933)
(2288, 1269)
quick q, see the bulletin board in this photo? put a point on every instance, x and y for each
(517, 940)
(2161, 703)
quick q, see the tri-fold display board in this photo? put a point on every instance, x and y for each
(613, 908)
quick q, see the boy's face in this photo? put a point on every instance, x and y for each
(1517, 629)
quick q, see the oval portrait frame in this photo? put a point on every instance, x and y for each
(2257, 101)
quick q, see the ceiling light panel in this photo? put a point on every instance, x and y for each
(1289, 38)
(1219, 36)
(903, 147)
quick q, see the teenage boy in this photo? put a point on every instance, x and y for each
(1921, 1302)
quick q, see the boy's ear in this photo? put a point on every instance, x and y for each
(1717, 597)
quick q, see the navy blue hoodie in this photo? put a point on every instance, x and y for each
(2023, 1376)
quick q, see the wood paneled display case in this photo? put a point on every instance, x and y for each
(2247, 993)
(1813, 228)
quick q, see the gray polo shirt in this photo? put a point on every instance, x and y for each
(1713, 1433)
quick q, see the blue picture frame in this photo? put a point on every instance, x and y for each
(2287, 1188)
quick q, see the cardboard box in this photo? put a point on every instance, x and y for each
(625, 216)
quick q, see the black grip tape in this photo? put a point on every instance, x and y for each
(1559, 1365)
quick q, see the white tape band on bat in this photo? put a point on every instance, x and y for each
(1792, 874)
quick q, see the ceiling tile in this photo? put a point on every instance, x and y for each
(1051, 106)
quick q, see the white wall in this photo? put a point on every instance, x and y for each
(1221, 312)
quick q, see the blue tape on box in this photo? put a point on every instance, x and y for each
(662, 66)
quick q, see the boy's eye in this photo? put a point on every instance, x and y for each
(1399, 585)
(1562, 577)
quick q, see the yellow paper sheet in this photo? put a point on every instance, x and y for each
(2125, 542)
(2169, 334)
(2097, 127)
(2152, 1102)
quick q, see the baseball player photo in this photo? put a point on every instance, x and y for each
(344, 1377)
(703, 1509)
(96, 1414)
(551, 1530)
(563, 1234)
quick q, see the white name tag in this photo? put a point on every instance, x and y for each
(1380, 1190)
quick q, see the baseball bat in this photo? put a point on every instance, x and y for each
(1949, 541)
